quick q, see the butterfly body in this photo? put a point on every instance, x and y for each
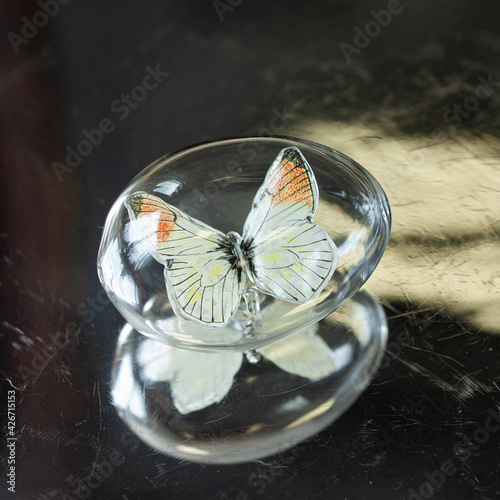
(242, 261)
(282, 251)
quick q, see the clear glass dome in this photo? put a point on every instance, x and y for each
(216, 183)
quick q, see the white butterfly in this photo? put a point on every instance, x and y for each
(282, 252)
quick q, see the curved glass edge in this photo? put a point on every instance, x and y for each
(380, 239)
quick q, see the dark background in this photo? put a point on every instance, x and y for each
(438, 280)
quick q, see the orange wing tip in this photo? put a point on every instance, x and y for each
(292, 155)
(292, 184)
(135, 203)
(142, 204)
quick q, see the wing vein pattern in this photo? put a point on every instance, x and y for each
(202, 278)
(290, 256)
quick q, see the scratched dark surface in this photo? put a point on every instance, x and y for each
(439, 279)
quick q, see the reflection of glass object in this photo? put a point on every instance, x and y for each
(216, 184)
(219, 407)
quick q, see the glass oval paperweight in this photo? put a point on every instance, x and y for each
(233, 263)
(234, 244)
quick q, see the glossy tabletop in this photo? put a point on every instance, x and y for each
(92, 92)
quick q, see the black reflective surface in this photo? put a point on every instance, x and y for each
(416, 101)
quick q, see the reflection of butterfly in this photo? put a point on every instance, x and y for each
(282, 251)
(199, 379)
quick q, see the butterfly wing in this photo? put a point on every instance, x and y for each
(197, 379)
(302, 353)
(289, 255)
(203, 280)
